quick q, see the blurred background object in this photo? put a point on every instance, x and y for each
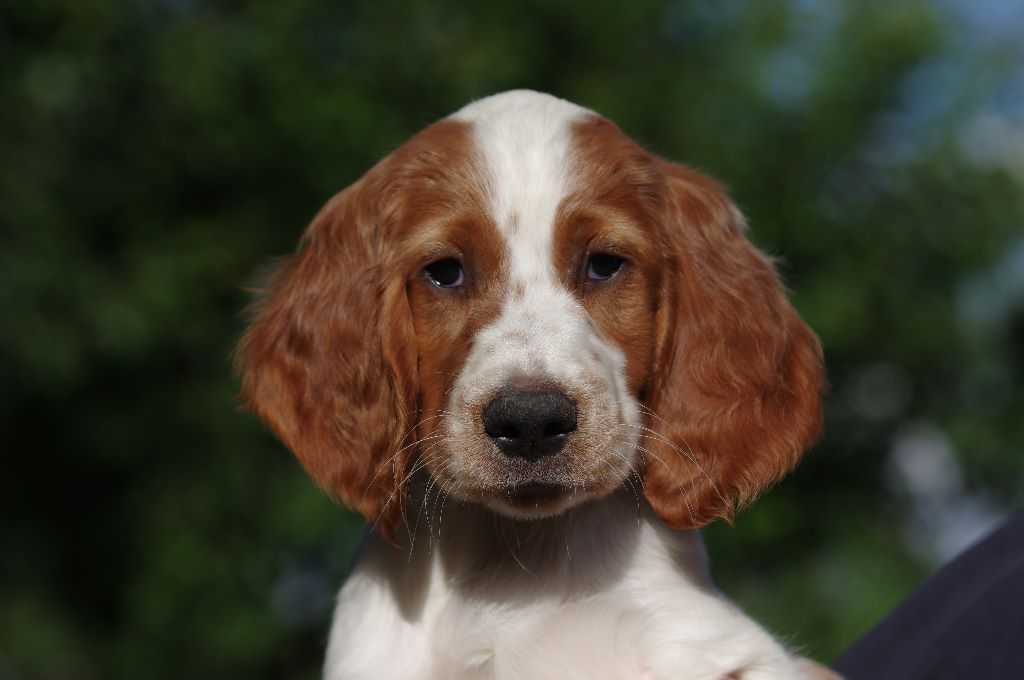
(156, 154)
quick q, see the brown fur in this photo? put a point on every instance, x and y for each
(334, 359)
(738, 375)
(614, 209)
(729, 375)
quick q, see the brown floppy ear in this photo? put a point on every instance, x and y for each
(329, 361)
(736, 393)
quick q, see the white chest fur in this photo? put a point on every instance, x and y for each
(602, 592)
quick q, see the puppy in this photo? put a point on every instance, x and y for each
(536, 358)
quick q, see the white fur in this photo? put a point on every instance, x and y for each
(601, 591)
(543, 332)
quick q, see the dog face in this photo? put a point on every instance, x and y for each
(530, 307)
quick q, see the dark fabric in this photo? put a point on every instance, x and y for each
(966, 621)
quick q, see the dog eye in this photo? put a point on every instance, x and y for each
(446, 273)
(602, 266)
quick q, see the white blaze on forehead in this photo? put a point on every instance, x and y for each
(543, 330)
(525, 140)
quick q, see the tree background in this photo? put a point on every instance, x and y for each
(154, 154)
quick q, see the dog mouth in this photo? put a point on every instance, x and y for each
(534, 495)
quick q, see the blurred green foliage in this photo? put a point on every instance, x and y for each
(156, 154)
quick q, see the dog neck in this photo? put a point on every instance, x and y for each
(464, 550)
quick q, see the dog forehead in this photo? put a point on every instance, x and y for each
(525, 140)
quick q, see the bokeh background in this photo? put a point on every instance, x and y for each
(154, 155)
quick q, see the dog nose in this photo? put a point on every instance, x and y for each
(530, 422)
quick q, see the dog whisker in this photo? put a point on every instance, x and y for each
(421, 510)
(390, 461)
(686, 498)
(653, 435)
(400, 484)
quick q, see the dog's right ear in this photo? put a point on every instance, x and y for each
(329, 359)
(736, 398)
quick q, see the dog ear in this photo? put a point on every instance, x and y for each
(329, 359)
(736, 392)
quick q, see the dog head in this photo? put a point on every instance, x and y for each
(532, 308)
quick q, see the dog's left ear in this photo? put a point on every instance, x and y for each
(735, 398)
(329, 362)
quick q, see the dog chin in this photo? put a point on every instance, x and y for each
(536, 500)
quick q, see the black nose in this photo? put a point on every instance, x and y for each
(530, 422)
